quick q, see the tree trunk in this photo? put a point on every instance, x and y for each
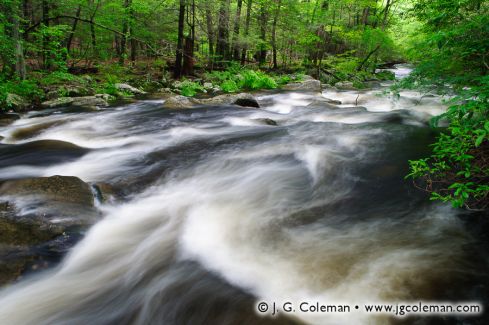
(222, 48)
(177, 72)
(188, 51)
(46, 60)
(386, 14)
(262, 53)
(125, 29)
(274, 34)
(73, 29)
(188, 56)
(132, 40)
(236, 31)
(247, 29)
(18, 64)
(210, 32)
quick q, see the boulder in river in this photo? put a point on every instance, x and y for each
(321, 102)
(345, 85)
(99, 100)
(311, 85)
(39, 153)
(40, 218)
(266, 121)
(17, 103)
(62, 189)
(179, 101)
(8, 118)
(242, 99)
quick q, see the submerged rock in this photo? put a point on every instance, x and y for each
(106, 192)
(39, 153)
(321, 102)
(266, 121)
(8, 118)
(33, 130)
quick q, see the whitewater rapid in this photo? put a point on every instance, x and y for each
(221, 211)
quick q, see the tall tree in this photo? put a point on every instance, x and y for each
(262, 52)
(247, 29)
(125, 31)
(177, 72)
(222, 48)
(274, 33)
(210, 31)
(236, 30)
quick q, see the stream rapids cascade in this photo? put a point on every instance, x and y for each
(218, 211)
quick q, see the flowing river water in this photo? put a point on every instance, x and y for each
(220, 210)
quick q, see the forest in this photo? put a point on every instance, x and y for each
(233, 161)
(54, 48)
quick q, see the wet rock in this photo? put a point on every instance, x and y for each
(33, 130)
(99, 100)
(129, 89)
(308, 84)
(39, 153)
(63, 189)
(325, 103)
(179, 101)
(242, 99)
(8, 118)
(40, 219)
(372, 84)
(266, 121)
(345, 85)
(17, 103)
(106, 192)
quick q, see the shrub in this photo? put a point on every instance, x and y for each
(458, 169)
(189, 88)
(229, 86)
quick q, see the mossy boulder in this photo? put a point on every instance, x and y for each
(41, 218)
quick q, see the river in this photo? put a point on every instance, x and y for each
(219, 210)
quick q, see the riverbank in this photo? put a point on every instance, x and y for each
(110, 84)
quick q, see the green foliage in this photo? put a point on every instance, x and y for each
(59, 77)
(49, 45)
(236, 78)
(229, 86)
(458, 170)
(189, 88)
(254, 80)
(28, 89)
